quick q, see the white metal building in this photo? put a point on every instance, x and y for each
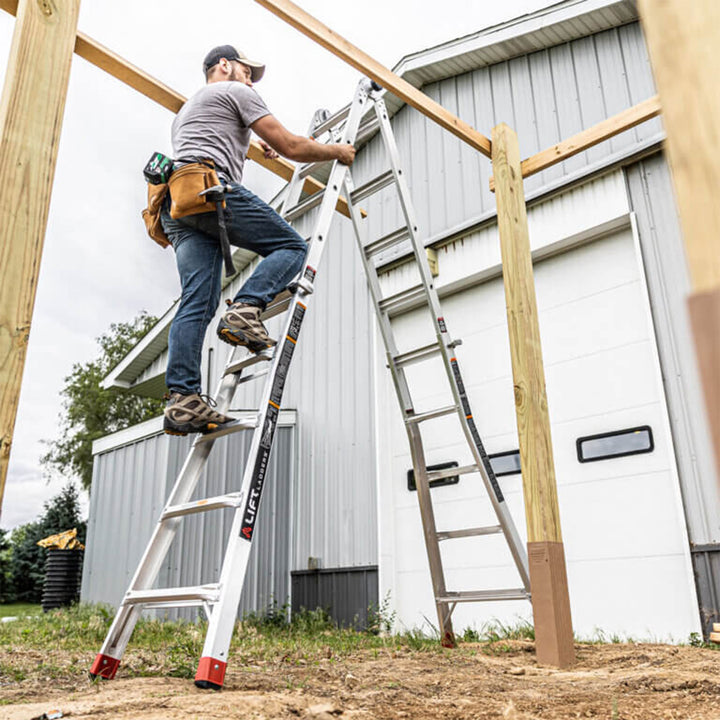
(641, 531)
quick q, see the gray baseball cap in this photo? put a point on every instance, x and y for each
(230, 53)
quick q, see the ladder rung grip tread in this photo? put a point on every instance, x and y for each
(310, 168)
(484, 595)
(431, 414)
(304, 205)
(250, 360)
(372, 186)
(410, 296)
(469, 532)
(417, 355)
(451, 472)
(331, 122)
(367, 128)
(205, 505)
(386, 242)
(228, 429)
(276, 308)
(203, 593)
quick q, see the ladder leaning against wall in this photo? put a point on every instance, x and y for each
(220, 600)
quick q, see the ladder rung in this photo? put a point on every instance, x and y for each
(395, 302)
(304, 205)
(228, 429)
(386, 242)
(482, 595)
(451, 472)
(310, 168)
(372, 186)
(230, 500)
(169, 596)
(253, 376)
(251, 359)
(331, 122)
(367, 128)
(469, 532)
(431, 414)
(417, 355)
(279, 305)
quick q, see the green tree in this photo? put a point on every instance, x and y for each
(91, 411)
(7, 591)
(28, 559)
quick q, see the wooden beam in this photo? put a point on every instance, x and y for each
(683, 40)
(636, 115)
(548, 576)
(139, 80)
(31, 113)
(323, 35)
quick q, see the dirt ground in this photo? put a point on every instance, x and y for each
(501, 680)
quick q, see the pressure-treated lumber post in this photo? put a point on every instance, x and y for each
(683, 39)
(548, 577)
(31, 112)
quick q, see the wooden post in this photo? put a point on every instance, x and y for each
(31, 112)
(683, 39)
(548, 577)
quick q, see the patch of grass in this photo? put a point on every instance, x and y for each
(496, 630)
(19, 610)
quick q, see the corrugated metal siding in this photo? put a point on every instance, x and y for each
(130, 486)
(349, 595)
(652, 199)
(546, 96)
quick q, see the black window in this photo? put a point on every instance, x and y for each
(505, 463)
(453, 480)
(618, 443)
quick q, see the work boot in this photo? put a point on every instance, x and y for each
(241, 325)
(192, 414)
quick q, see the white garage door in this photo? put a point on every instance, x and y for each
(623, 527)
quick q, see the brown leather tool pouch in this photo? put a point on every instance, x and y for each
(151, 214)
(185, 185)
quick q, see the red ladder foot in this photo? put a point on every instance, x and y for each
(104, 667)
(210, 674)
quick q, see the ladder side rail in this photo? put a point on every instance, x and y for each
(413, 431)
(232, 575)
(391, 350)
(164, 533)
(297, 181)
(487, 474)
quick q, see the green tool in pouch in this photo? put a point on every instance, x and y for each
(158, 169)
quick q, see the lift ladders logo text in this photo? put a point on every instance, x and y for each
(271, 417)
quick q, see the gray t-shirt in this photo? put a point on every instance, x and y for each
(215, 123)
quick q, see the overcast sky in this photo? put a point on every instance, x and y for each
(98, 266)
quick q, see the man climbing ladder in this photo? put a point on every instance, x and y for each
(215, 125)
(221, 599)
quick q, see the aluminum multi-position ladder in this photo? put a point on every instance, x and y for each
(424, 294)
(220, 600)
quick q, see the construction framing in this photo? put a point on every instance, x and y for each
(693, 128)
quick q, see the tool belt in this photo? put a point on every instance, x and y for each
(186, 183)
(184, 186)
(151, 214)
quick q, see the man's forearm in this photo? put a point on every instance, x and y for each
(305, 150)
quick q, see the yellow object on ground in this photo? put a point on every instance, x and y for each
(66, 540)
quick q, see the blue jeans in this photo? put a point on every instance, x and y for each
(251, 224)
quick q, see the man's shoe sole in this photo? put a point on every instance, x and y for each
(237, 338)
(182, 429)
